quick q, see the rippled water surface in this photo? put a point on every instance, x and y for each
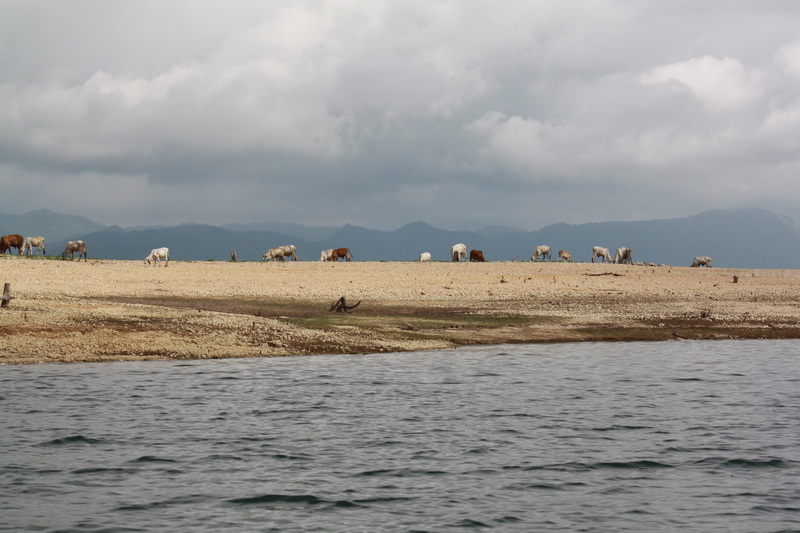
(681, 436)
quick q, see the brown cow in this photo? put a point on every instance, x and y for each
(476, 255)
(340, 252)
(565, 256)
(11, 241)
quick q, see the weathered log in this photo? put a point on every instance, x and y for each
(340, 305)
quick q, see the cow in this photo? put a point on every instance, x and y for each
(702, 260)
(75, 246)
(340, 253)
(425, 256)
(12, 241)
(564, 255)
(457, 251)
(276, 254)
(156, 255)
(624, 255)
(290, 251)
(602, 253)
(325, 255)
(541, 252)
(476, 255)
(34, 242)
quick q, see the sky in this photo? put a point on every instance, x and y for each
(461, 113)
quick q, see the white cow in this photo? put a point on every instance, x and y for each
(325, 255)
(425, 256)
(276, 254)
(290, 250)
(156, 255)
(541, 251)
(702, 260)
(33, 242)
(458, 251)
(599, 251)
(75, 246)
(624, 255)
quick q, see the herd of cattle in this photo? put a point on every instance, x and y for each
(458, 252)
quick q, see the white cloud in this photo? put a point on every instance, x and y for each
(719, 83)
(787, 59)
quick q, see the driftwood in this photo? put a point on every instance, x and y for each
(340, 305)
(606, 274)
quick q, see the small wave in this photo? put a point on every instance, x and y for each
(469, 523)
(767, 509)
(153, 459)
(400, 472)
(619, 427)
(583, 467)
(73, 439)
(544, 486)
(291, 457)
(102, 470)
(745, 463)
(190, 499)
(309, 499)
(636, 465)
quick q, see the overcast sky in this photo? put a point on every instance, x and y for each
(379, 113)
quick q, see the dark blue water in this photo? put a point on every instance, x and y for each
(681, 436)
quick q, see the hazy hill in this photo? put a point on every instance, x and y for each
(56, 228)
(308, 233)
(740, 238)
(195, 242)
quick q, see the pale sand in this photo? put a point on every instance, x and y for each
(67, 311)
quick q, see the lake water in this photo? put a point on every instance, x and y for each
(678, 436)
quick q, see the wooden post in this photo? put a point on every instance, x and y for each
(6, 295)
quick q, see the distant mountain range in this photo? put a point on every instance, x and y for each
(738, 238)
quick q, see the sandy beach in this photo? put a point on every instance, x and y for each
(102, 310)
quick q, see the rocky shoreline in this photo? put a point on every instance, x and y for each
(104, 310)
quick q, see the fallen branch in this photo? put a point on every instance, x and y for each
(606, 274)
(340, 305)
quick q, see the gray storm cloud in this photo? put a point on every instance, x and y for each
(462, 114)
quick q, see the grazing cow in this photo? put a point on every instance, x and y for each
(75, 246)
(476, 255)
(541, 251)
(276, 254)
(702, 260)
(12, 241)
(156, 255)
(325, 255)
(34, 242)
(599, 251)
(290, 250)
(340, 252)
(624, 255)
(425, 256)
(457, 251)
(564, 255)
